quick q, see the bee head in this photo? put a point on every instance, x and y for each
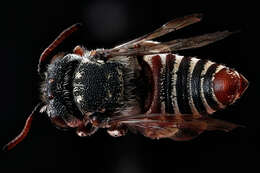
(54, 84)
(57, 90)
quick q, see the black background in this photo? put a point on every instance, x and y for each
(28, 27)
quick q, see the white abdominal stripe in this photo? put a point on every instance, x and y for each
(187, 84)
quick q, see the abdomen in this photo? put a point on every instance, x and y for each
(183, 85)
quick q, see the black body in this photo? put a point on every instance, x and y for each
(76, 86)
(100, 86)
(56, 89)
(196, 83)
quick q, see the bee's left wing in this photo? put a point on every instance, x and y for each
(149, 47)
(171, 26)
(176, 127)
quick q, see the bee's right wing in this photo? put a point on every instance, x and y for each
(176, 127)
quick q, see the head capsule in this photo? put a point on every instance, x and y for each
(57, 91)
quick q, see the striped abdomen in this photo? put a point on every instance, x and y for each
(185, 85)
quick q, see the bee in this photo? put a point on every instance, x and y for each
(142, 86)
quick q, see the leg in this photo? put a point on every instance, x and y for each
(79, 50)
(86, 130)
(99, 119)
(59, 123)
(117, 131)
(186, 134)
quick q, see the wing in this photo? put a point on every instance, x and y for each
(171, 26)
(144, 46)
(176, 127)
(171, 46)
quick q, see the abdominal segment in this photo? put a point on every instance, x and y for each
(183, 85)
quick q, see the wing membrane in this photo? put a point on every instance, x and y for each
(171, 26)
(174, 45)
(177, 127)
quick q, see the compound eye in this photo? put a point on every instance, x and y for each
(229, 85)
(57, 56)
